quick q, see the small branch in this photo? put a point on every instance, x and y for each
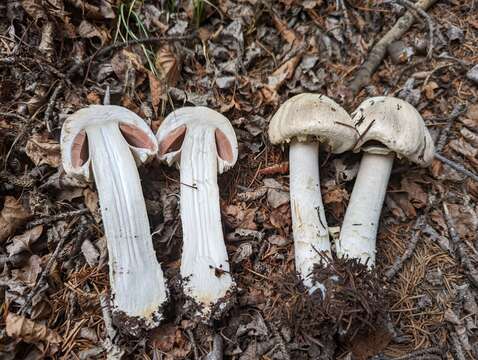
(120, 45)
(398, 263)
(46, 271)
(378, 52)
(113, 350)
(53, 218)
(193, 343)
(51, 105)
(217, 349)
(431, 27)
(469, 268)
(456, 166)
(457, 111)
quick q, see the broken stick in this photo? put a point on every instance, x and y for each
(379, 50)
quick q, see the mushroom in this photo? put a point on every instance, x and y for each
(389, 128)
(202, 143)
(305, 121)
(107, 142)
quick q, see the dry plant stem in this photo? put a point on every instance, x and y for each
(428, 19)
(217, 349)
(113, 351)
(38, 286)
(360, 226)
(470, 269)
(456, 166)
(445, 132)
(398, 263)
(204, 250)
(378, 52)
(309, 226)
(53, 218)
(134, 269)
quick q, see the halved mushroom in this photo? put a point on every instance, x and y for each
(203, 143)
(390, 127)
(305, 121)
(106, 142)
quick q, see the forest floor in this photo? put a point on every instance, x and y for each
(243, 59)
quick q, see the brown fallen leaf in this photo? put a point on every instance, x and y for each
(156, 89)
(283, 72)
(91, 202)
(30, 331)
(168, 64)
(43, 150)
(28, 273)
(12, 216)
(88, 30)
(21, 243)
(335, 200)
(281, 26)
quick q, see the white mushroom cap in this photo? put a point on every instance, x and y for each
(180, 122)
(390, 124)
(316, 116)
(74, 144)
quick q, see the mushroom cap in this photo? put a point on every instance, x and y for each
(390, 124)
(178, 124)
(313, 115)
(74, 133)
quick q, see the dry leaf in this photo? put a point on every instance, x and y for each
(430, 90)
(156, 90)
(89, 31)
(91, 202)
(12, 216)
(335, 199)
(21, 243)
(43, 150)
(28, 274)
(281, 26)
(35, 9)
(283, 73)
(168, 64)
(29, 331)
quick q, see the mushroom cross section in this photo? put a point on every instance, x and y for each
(202, 142)
(304, 121)
(389, 128)
(105, 143)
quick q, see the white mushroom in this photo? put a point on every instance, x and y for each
(305, 121)
(203, 143)
(106, 142)
(390, 127)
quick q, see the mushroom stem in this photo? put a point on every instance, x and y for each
(136, 277)
(360, 226)
(204, 263)
(309, 225)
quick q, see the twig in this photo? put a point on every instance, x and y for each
(193, 343)
(417, 354)
(469, 268)
(217, 349)
(457, 111)
(49, 265)
(15, 116)
(51, 105)
(457, 348)
(53, 218)
(398, 263)
(113, 350)
(120, 45)
(456, 166)
(348, 26)
(428, 19)
(378, 52)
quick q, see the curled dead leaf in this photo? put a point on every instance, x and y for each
(21, 243)
(168, 64)
(12, 216)
(30, 331)
(43, 150)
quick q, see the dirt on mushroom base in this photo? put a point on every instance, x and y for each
(354, 305)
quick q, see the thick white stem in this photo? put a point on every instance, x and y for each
(309, 225)
(136, 278)
(204, 263)
(360, 226)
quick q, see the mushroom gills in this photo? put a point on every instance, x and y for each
(137, 282)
